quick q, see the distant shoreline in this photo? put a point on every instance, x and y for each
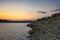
(15, 22)
(18, 22)
(8, 21)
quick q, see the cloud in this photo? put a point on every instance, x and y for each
(42, 12)
(56, 10)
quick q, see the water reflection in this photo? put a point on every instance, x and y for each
(14, 31)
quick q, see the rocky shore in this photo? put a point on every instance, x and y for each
(46, 28)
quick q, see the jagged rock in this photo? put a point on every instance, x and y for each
(46, 28)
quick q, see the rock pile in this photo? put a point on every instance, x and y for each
(46, 28)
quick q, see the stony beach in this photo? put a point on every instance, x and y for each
(47, 28)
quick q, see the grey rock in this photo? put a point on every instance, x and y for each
(46, 28)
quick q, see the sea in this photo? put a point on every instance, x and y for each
(14, 31)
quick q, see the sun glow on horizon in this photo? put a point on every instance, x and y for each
(15, 11)
(17, 16)
(25, 9)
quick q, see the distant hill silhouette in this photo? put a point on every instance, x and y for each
(1, 20)
(27, 21)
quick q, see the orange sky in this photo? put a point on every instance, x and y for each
(8, 15)
(12, 11)
(17, 16)
(23, 10)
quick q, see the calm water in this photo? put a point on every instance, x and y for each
(14, 31)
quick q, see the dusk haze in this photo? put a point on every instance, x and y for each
(29, 19)
(26, 9)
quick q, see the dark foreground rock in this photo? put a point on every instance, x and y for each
(46, 28)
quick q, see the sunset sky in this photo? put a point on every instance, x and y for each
(27, 9)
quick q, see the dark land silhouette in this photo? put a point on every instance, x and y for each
(8, 21)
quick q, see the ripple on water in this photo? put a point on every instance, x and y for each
(12, 35)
